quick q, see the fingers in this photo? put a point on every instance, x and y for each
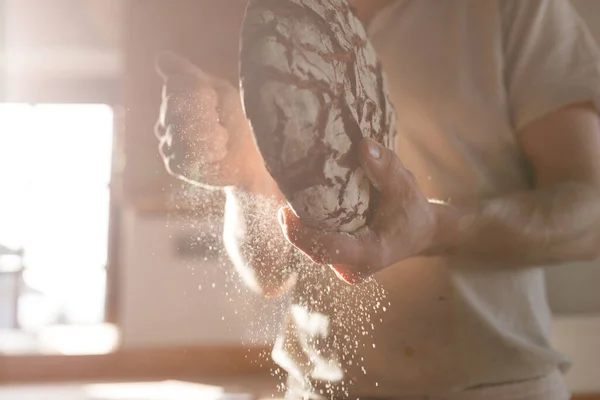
(384, 168)
(190, 94)
(332, 248)
(356, 257)
(349, 274)
(395, 184)
(193, 154)
(194, 119)
(192, 102)
(200, 106)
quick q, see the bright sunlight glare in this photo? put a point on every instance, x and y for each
(55, 169)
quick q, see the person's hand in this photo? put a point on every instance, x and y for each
(404, 225)
(204, 136)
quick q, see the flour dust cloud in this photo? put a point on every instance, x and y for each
(321, 327)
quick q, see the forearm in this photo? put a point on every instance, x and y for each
(546, 226)
(255, 243)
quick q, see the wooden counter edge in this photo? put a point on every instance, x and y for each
(136, 364)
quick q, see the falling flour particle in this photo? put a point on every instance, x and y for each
(350, 311)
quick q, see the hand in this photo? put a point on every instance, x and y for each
(203, 133)
(404, 225)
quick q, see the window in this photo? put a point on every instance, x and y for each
(55, 170)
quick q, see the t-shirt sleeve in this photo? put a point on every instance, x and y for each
(551, 58)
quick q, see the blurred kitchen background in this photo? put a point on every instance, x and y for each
(110, 271)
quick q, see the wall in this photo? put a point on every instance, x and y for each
(169, 300)
(61, 51)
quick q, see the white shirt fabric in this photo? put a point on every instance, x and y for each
(465, 77)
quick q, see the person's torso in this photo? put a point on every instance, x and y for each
(445, 327)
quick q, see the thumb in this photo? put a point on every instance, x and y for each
(168, 63)
(383, 167)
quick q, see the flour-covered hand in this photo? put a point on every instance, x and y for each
(404, 224)
(204, 136)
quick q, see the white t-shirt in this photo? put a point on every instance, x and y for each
(465, 77)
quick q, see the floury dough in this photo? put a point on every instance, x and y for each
(312, 88)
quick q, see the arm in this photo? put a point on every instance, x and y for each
(552, 82)
(205, 139)
(557, 221)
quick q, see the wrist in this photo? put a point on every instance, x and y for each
(446, 231)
